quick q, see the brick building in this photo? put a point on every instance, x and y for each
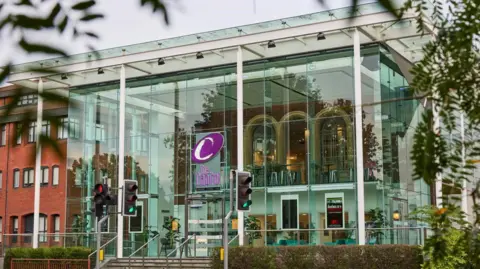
(17, 171)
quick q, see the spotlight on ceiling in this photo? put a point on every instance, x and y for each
(321, 36)
(271, 44)
(199, 55)
(64, 76)
(100, 71)
(161, 61)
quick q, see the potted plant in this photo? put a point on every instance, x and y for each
(377, 220)
(252, 223)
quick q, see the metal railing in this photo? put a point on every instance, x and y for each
(101, 247)
(337, 236)
(21, 263)
(51, 240)
(233, 239)
(142, 248)
(186, 250)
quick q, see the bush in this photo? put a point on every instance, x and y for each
(46, 253)
(322, 257)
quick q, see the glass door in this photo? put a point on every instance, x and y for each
(205, 223)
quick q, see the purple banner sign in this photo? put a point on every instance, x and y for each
(207, 179)
(207, 148)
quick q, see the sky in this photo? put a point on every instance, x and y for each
(127, 23)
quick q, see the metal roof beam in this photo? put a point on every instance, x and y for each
(299, 31)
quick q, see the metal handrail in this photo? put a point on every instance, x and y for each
(140, 248)
(194, 236)
(102, 246)
(233, 239)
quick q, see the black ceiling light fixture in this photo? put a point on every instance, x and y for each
(100, 71)
(161, 61)
(271, 44)
(321, 36)
(64, 76)
(199, 55)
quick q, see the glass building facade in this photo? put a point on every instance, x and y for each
(298, 143)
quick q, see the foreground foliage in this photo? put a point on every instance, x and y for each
(322, 257)
(46, 253)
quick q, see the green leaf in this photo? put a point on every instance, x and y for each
(40, 48)
(90, 17)
(34, 23)
(24, 3)
(5, 71)
(83, 5)
(157, 5)
(91, 34)
(63, 24)
(54, 13)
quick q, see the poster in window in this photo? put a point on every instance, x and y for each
(334, 212)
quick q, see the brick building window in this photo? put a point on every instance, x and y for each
(28, 177)
(69, 128)
(3, 135)
(56, 227)
(29, 99)
(46, 128)
(45, 172)
(1, 179)
(32, 128)
(19, 133)
(16, 178)
(55, 175)
(42, 227)
(14, 229)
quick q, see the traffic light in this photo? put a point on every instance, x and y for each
(244, 191)
(130, 191)
(100, 198)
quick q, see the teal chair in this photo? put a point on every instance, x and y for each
(350, 242)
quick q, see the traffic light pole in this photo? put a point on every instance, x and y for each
(99, 239)
(225, 223)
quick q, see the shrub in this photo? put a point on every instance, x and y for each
(322, 257)
(46, 253)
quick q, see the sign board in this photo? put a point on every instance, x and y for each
(206, 158)
(334, 208)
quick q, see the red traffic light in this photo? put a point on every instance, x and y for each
(131, 187)
(131, 198)
(98, 188)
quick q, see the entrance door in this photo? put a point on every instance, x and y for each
(205, 223)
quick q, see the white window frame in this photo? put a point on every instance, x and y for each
(138, 203)
(18, 133)
(16, 178)
(3, 138)
(290, 197)
(30, 174)
(56, 228)
(46, 128)
(45, 175)
(1, 180)
(32, 128)
(42, 233)
(15, 225)
(335, 195)
(1, 229)
(55, 175)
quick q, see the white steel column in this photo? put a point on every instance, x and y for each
(464, 183)
(121, 160)
(38, 163)
(359, 137)
(240, 134)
